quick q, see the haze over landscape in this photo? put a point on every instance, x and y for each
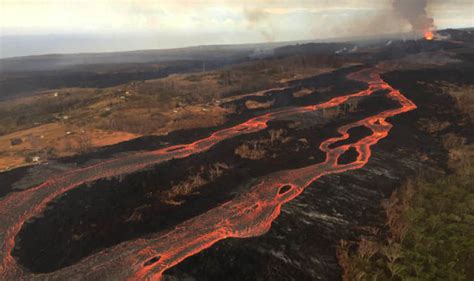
(54, 26)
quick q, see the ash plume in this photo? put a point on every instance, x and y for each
(414, 11)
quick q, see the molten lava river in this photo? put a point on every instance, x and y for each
(248, 214)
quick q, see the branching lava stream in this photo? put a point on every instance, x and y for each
(247, 215)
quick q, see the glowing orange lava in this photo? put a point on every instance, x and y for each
(247, 215)
(429, 35)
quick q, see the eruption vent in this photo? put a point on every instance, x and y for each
(414, 11)
(429, 35)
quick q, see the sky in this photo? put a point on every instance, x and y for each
(178, 23)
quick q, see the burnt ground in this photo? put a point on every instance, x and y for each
(106, 212)
(302, 241)
(301, 245)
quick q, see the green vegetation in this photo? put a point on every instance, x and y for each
(430, 235)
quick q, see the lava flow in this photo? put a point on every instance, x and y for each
(249, 214)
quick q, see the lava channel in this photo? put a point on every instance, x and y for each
(247, 215)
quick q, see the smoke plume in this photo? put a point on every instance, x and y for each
(414, 11)
(258, 19)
